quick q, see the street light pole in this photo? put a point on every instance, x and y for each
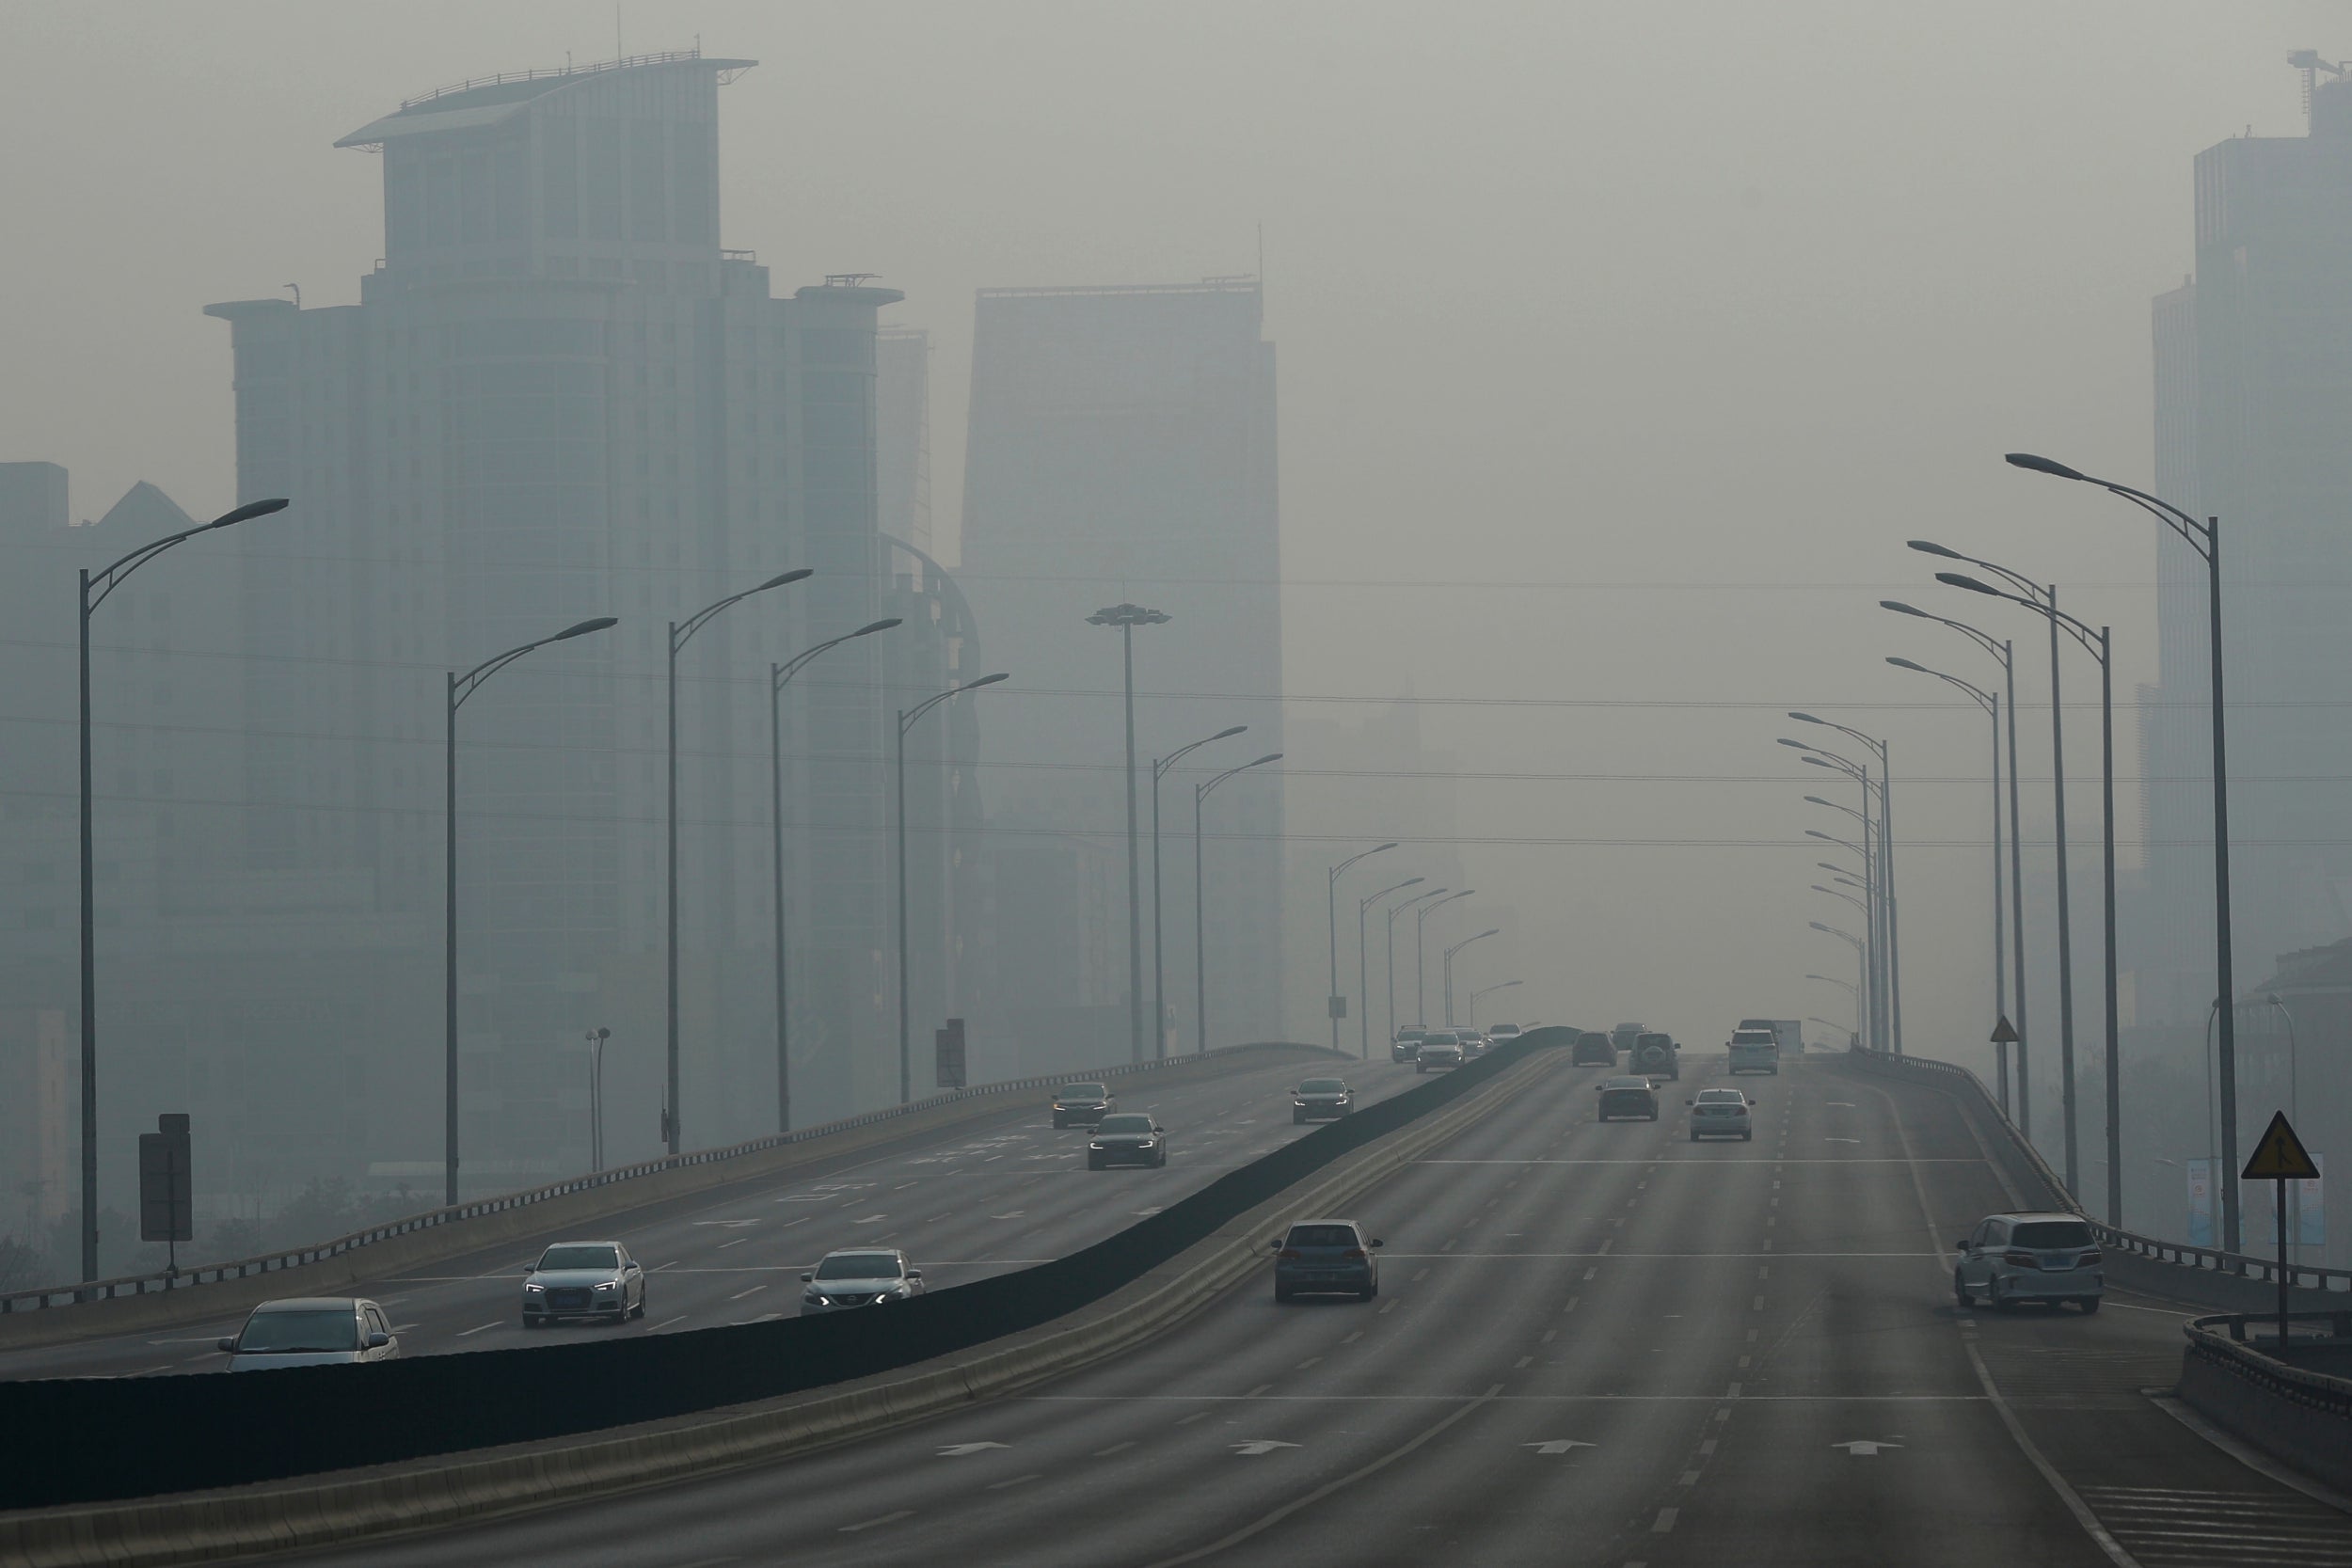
(2205, 539)
(1889, 903)
(2098, 644)
(1159, 957)
(595, 1100)
(1991, 703)
(1871, 922)
(1127, 617)
(1363, 974)
(778, 675)
(1331, 909)
(1395, 910)
(680, 633)
(1420, 952)
(906, 718)
(105, 582)
(460, 689)
(1490, 931)
(1200, 900)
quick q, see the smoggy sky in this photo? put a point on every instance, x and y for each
(1621, 347)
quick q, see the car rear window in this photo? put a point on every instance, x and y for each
(1127, 1124)
(1641, 1084)
(1322, 1235)
(2041, 1235)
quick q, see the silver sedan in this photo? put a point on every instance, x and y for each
(583, 1280)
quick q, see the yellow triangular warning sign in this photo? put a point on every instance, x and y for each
(2280, 1156)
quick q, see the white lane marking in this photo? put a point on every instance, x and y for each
(1522, 1363)
(1309, 1362)
(753, 1291)
(1114, 1447)
(957, 1450)
(1270, 1520)
(1863, 1448)
(1256, 1445)
(1258, 1389)
(1841, 1140)
(868, 1219)
(1690, 1477)
(1353, 1337)
(479, 1327)
(727, 1224)
(1017, 1480)
(659, 1267)
(1666, 1521)
(887, 1518)
(1559, 1444)
(2026, 1445)
(738, 1242)
(666, 1322)
(1196, 1416)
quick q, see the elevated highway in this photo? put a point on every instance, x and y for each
(1594, 1344)
(982, 1198)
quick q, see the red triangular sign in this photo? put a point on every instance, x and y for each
(2280, 1156)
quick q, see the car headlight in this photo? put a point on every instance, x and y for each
(1094, 1145)
(815, 1298)
(609, 1285)
(534, 1290)
(1301, 1103)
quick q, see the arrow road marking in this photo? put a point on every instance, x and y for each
(1863, 1448)
(1261, 1444)
(953, 1451)
(1558, 1445)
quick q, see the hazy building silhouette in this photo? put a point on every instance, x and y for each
(1122, 448)
(2253, 392)
(559, 398)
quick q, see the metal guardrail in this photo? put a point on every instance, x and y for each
(2243, 1265)
(50, 1297)
(2221, 1340)
(665, 57)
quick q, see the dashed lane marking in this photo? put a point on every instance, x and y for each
(1666, 1521)
(463, 1333)
(885, 1519)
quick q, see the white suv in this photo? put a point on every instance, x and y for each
(2013, 1257)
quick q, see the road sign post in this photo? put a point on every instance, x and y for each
(166, 1202)
(2280, 1158)
(2004, 1035)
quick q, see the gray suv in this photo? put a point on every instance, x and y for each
(2013, 1257)
(1324, 1257)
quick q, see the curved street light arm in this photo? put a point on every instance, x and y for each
(1836, 932)
(2015, 579)
(1159, 769)
(2080, 631)
(1369, 899)
(1204, 788)
(465, 686)
(1981, 639)
(1984, 698)
(1875, 744)
(2173, 518)
(906, 719)
(1843, 844)
(685, 629)
(780, 674)
(1847, 897)
(112, 578)
(1353, 858)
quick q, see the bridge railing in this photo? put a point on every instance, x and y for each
(2240, 1264)
(50, 1297)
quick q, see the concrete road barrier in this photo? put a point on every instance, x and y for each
(469, 1487)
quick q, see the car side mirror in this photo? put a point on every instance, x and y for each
(1690, 1102)
(914, 1273)
(806, 1277)
(1274, 1245)
(228, 1344)
(1377, 1241)
(635, 1267)
(1960, 1246)
(378, 1341)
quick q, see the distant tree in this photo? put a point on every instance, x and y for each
(22, 1267)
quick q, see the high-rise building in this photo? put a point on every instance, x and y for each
(2253, 384)
(559, 398)
(1122, 448)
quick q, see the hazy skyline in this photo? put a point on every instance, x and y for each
(1621, 349)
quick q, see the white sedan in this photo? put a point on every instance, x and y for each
(1721, 1114)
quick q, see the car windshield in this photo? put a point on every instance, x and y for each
(580, 1257)
(2043, 1234)
(859, 1265)
(1127, 1124)
(1084, 1091)
(1323, 1086)
(1322, 1235)
(297, 1329)
(1448, 1037)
